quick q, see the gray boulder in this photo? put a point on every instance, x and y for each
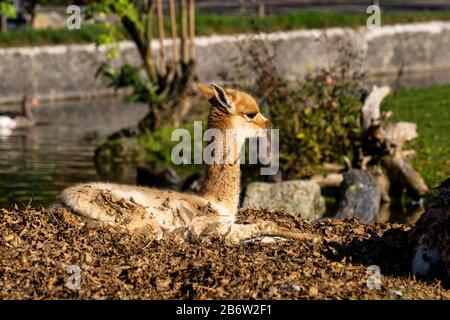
(301, 198)
(360, 196)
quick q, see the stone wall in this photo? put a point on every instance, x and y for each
(68, 71)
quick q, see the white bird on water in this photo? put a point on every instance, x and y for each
(14, 120)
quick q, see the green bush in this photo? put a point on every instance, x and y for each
(158, 148)
(318, 118)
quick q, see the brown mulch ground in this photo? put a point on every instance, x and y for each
(36, 247)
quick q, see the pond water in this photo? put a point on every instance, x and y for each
(37, 163)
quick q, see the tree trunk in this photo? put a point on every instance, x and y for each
(170, 109)
(3, 23)
(402, 172)
(32, 11)
(152, 120)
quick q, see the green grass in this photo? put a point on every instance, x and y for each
(221, 24)
(208, 24)
(430, 109)
(40, 37)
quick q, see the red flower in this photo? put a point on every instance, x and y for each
(329, 80)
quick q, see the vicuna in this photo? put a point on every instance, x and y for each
(213, 212)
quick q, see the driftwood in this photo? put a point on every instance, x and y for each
(332, 180)
(370, 112)
(383, 146)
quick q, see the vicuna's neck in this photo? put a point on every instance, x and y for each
(223, 180)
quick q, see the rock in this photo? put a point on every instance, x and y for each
(301, 198)
(360, 196)
(332, 180)
(163, 179)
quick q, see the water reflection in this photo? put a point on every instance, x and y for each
(38, 162)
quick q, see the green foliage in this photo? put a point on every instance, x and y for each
(158, 147)
(127, 76)
(7, 8)
(318, 118)
(120, 8)
(113, 32)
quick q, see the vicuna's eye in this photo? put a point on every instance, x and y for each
(251, 115)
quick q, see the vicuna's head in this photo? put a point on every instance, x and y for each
(233, 109)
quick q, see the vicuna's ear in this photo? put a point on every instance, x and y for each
(206, 91)
(222, 97)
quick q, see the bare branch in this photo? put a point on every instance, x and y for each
(162, 49)
(184, 32)
(370, 112)
(148, 58)
(192, 28)
(134, 33)
(173, 30)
